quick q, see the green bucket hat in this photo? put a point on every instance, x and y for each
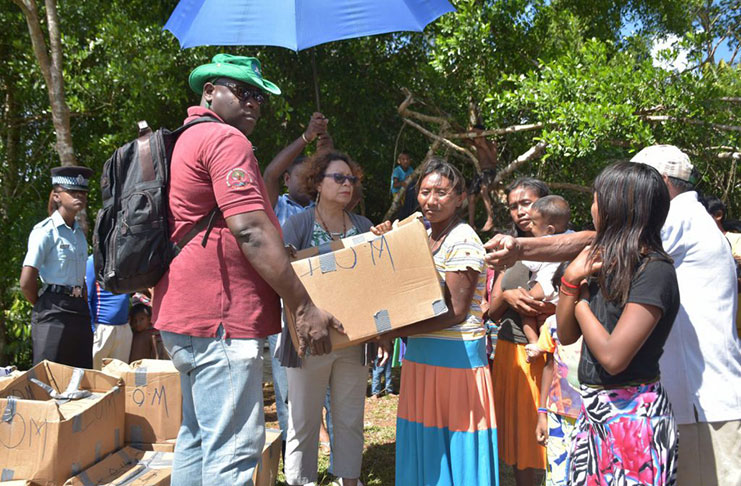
(241, 68)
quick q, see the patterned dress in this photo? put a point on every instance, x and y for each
(563, 402)
(446, 430)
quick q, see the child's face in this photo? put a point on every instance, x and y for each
(404, 161)
(539, 226)
(140, 322)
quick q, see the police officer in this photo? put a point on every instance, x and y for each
(57, 251)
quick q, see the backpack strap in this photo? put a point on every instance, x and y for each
(209, 219)
(207, 222)
(146, 164)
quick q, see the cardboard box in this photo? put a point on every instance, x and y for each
(154, 404)
(167, 446)
(128, 466)
(47, 440)
(372, 284)
(266, 472)
(6, 379)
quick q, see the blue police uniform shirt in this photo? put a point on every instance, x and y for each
(285, 207)
(105, 307)
(57, 251)
(400, 174)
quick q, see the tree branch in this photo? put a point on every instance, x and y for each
(718, 126)
(445, 141)
(532, 153)
(497, 131)
(569, 187)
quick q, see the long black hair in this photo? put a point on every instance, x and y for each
(633, 203)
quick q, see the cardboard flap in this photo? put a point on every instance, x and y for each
(127, 466)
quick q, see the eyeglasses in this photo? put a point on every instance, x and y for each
(243, 93)
(341, 178)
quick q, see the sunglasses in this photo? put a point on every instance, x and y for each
(341, 178)
(243, 93)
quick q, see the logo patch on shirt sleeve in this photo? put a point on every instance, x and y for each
(238, 178)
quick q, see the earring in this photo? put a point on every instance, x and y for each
(318, 195)
(208, 104)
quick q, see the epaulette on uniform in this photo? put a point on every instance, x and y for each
(45, 222)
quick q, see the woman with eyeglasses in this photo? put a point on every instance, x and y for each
(332, 178)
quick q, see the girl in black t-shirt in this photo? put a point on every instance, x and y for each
(621, 294)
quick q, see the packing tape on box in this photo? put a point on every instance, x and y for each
(72, 392)
(439, 307)
(383, 321)
(140, 376)
(77, 423)
(327, 263)
(98, 451)
(324, 248)
(9, 412)
(76, 468)
(358, 240)
(136, 434)
(124, 456)
(85, 479)
(117, 438)
(7, 475)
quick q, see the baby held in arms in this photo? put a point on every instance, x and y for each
(550, 215)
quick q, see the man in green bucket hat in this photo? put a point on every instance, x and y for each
(218, 301)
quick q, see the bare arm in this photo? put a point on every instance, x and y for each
(459, 290)
(281, 162)
(261, 244)
(30, 283)
(505, 250)
(541, 429)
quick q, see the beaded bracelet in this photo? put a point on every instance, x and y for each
(542, 410)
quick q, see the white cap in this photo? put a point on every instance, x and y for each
(667, 159)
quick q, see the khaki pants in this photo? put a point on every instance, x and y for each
(111, 342)
(347, 379)
(710, 454)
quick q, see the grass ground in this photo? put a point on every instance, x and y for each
(380, 439)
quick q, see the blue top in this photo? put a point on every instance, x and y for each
(57, 251)
(400, 174)
(105, 307)
(285, 207)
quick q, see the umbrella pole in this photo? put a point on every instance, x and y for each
(316, 78)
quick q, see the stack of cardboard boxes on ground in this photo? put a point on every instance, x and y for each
(50, 436)
(62, 426)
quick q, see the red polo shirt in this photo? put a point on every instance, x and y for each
(213, 164)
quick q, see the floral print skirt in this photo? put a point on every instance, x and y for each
(624, 437)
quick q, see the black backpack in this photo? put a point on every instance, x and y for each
(131, 239)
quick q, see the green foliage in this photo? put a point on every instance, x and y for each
(18, 323)
(564, 63)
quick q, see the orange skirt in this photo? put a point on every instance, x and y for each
(516, 398)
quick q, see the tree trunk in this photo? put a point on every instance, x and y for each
(50, 62)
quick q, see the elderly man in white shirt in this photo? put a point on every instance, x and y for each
(701, 364)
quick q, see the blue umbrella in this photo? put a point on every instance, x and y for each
(296, 24)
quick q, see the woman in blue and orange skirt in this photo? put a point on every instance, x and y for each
(517, 379)
(446, 431)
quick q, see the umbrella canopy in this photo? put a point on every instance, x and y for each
(296, 24)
